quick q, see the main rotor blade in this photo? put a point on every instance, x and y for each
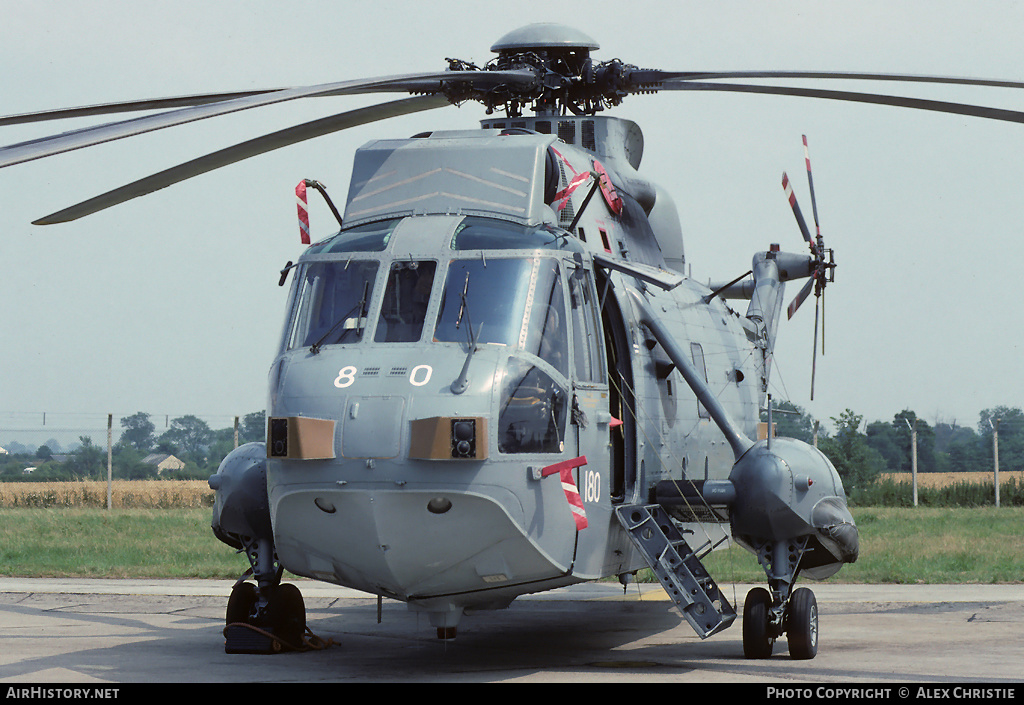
(874, 98)
(244, 150)
(654, 76)
(129, 106)
(86, 137)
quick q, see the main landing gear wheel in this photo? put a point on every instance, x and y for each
(802, 624)
(757, 637)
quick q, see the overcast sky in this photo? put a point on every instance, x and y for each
(169, 304)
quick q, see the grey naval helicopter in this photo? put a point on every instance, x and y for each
(496, 378)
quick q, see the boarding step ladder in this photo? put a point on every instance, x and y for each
(677, 567)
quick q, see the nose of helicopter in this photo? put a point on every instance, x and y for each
(408, 543)
(408, 504)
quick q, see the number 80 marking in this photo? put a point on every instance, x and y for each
(418, 376)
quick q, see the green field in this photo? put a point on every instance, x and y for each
(898, 545)
(916, 545)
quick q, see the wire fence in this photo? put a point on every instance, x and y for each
(24, 432)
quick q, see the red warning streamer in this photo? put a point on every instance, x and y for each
(563, 196)
(300, 197)
(572, 495)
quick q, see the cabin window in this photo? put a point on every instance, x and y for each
(404, 307)
(331, 301)
(697, 353)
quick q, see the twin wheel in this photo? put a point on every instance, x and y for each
(762, 625)
(279, 624)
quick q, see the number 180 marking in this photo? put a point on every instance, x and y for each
(591, 486)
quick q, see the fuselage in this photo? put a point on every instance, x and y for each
(438, 358)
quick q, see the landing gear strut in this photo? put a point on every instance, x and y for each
(769, 615)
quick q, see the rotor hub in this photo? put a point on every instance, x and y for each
(568, 79)
(544, 36)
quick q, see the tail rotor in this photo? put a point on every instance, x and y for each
(822, 263)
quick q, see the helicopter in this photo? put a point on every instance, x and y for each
(501, 307)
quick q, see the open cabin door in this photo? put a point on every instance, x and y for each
(602, 374)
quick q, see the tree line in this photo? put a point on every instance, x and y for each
(862, 451)
(859, 451)
(188, 438)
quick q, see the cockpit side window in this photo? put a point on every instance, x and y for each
(585, 331)
(404, 307)
(532, 411)
(331, 303)
(546, 332)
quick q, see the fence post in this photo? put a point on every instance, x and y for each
(913, 457)
(110, 457)
(995, 454)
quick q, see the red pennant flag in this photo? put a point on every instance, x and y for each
(300, 196)
(572, 495)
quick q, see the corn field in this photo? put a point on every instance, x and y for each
(125, 494)
(934, 480)
(942, 489)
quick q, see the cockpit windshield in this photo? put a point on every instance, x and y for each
(485, 296)
(404, 308)
(331, 302)
(488, 300)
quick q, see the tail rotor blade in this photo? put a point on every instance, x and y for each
(823, 321)
(814, 356)
(797, 213)
(810, 183)
(799, 299)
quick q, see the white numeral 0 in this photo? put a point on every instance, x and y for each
(426, 376)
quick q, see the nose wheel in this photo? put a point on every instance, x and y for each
(257, 623)
(758, 631)
(802, 624)
(269, 616)
(764, 621)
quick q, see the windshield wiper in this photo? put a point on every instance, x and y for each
(462, 382)
(360, 307)
(462, 307)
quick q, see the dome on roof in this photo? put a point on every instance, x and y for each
(545, 35)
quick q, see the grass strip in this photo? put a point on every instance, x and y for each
(897, 545)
